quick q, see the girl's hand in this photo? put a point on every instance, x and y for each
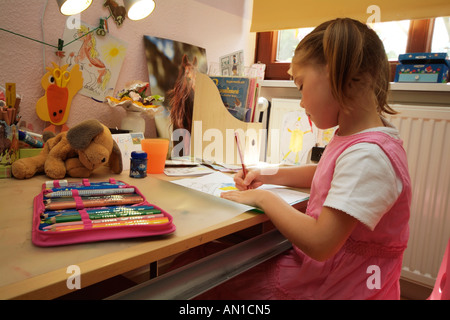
(252, 180)
(249, 197)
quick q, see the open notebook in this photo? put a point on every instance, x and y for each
(218, 182)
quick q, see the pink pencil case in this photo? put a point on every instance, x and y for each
(82, 204)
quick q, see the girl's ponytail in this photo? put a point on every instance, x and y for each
(343, 52)
(353, 53)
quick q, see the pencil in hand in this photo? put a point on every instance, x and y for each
(244, 170)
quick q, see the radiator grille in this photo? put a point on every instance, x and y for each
(426, 135)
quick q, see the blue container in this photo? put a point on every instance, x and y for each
(138, 164)
(423, 67)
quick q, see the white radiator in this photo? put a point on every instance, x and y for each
(425, 131)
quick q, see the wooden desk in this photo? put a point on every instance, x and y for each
(31, 272)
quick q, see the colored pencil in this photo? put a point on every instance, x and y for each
(88, 192)
(112, 224)
(94, 216)
(244, 170)
(89, 202)
(74, 223)
(51, 213)
(66, 185)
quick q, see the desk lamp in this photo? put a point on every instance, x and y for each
(71, 7)
(138, 9)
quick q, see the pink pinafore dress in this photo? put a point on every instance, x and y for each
(368, 265)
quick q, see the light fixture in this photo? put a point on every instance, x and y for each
(71, 7)
(139, 9)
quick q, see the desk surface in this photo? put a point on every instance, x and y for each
(31, 272)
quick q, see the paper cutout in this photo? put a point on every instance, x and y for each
(60, 87)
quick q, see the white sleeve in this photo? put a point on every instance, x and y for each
(364, 184)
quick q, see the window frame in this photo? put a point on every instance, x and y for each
(420, 36)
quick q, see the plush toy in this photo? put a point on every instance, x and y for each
(76, 152)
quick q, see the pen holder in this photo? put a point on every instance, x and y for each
(9, 148)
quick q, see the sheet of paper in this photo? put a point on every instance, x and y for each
(187, 171)
(128, 142)
(217, 182)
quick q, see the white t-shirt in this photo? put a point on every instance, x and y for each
(364, 183)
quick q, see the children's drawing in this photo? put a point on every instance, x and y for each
(212, 188)
(297, 138)
(324, 136)
(60, 85)
(100, 59)
(232, 64)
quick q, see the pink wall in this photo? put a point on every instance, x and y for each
(219, 26)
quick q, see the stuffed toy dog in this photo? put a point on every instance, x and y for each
(76, 152)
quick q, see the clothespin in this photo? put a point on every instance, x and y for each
(103, 27)
(60, 53)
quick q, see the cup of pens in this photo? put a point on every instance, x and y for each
(156, 150)
(9, 144)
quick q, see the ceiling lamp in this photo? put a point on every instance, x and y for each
(71, 7)
(139, 9)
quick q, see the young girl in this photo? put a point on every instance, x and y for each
(349, 244)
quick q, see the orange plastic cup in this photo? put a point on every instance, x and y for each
(156, 154)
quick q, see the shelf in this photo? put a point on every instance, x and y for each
(395, 86)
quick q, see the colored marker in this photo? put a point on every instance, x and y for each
(74, 223)
(89, 202)
(59, 185)
(112, 224)
(88, 192)
(50, 213)
(94, 216)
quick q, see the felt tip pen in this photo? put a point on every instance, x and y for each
(88, 192)
(51, 213)
(94, 216)
(58, 185)
(50, 204)
(74, 223)
(112, 224)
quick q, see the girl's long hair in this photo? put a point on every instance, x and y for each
(351, 51)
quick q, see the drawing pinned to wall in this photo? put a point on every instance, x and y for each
(324, 136)
(297, 138)
(100, 59)
(290, 139)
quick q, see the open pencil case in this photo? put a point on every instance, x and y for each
(83, 211)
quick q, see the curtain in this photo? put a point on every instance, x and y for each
(269, 15)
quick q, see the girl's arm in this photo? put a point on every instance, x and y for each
(295, 177)
(320, 239)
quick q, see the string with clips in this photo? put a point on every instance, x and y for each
(101, 30)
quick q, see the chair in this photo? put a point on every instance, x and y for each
(441, 289)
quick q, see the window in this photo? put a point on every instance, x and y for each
(275, 49)
(288, 41)
(441, 35)
(394, 35)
